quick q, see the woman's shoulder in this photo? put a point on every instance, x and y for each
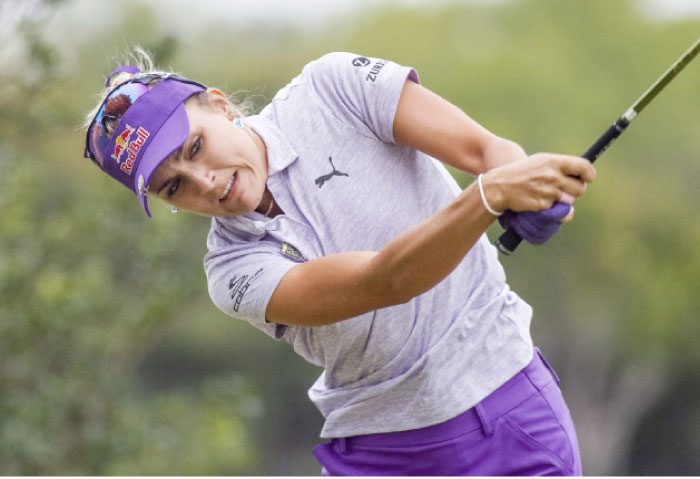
(332, 59)
(333, 65)
(233, 232)
(316, 80)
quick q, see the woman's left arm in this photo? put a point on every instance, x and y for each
(429, 123)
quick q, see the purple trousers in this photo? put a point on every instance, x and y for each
(522, 428)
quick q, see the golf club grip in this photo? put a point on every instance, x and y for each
(606, 140)
(509, 240)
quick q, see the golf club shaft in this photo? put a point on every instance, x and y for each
(509, 240)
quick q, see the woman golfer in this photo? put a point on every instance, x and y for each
(336, 229)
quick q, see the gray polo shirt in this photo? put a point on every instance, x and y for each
(345, 185)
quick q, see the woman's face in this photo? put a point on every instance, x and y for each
(220, 170)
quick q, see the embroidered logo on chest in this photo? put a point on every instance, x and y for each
(291, 252)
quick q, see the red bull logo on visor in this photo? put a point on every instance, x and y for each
(123, 144)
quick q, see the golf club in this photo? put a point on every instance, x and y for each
(509, 241)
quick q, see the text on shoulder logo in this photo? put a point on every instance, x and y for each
(238, 285)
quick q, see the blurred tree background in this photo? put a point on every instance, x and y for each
(113, 361)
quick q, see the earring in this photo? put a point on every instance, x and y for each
(238, 122)
(173, 209)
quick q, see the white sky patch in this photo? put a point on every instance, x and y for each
(74, 22)
(670, 10)
(303, 13)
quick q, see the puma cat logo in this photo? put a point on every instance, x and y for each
(322, 179)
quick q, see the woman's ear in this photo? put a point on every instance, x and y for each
(220, 101)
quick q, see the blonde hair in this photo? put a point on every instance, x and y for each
(143, 60)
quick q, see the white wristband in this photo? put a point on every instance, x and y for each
(483, 199)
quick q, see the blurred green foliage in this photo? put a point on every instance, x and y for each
(112, 359)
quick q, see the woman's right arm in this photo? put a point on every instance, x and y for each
(340, 286)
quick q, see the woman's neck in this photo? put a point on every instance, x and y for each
(268, 206)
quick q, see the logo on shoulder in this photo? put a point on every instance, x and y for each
(361, 62)
(238, 285)
(124, 144)
(375, 71)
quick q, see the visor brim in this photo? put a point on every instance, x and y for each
(170, 138)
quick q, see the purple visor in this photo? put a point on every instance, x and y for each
(151, 124)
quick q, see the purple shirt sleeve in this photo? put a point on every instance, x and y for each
(242, 277)
(363, 92)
